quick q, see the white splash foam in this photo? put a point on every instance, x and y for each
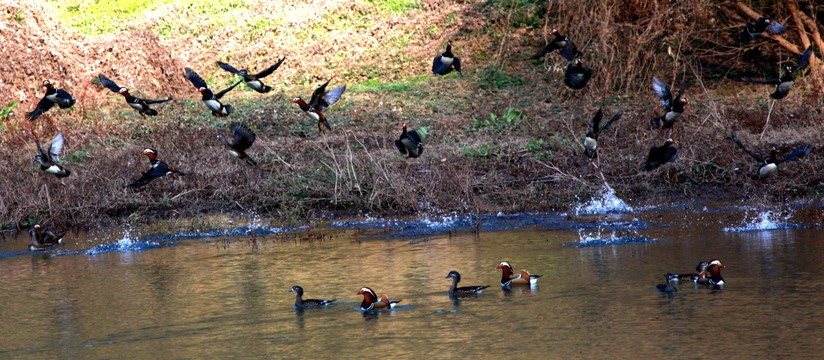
(765, 220)
(605, 203)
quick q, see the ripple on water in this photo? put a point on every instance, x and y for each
(597, 238)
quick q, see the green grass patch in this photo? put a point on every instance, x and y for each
(508, 119)
(482, 152)
(394, 6)
(493, 78)
(374, 85)
(102, 17)
(105, 17)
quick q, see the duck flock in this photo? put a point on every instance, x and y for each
(410, 143)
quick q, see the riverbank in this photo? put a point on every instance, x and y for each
(504, 137)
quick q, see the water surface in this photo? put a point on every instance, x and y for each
(122, 294)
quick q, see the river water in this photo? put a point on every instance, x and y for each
(224, 294)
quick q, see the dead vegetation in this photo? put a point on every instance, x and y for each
(504, 137)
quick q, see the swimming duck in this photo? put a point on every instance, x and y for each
(371, 300)
(305, 303)
(713, 276)
(595, 128)
(321, 100)
(755, 29)
(667, 288)
(242, 140)
(524, 278)
(41, 240)
(141, 105)
(701, 270)
(253, 81)
(49, 160)
(660, 155)
(444, 63)
(455, 291)
(576, 75)
(409, 143)
(785, 82)
(53, 96)
(568, 49)
(674, 107)
(769, 165)
(209, 98)
(158, 169)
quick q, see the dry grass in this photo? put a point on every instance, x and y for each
(526, 157)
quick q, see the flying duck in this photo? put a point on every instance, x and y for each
(409, 143)
(713, 276)
(371, 300)
(660, 155)
(755, 29)
(253, 81)
(210, 99)
(576, 75)
(674, 107)
(158, 169)
(595, 128)
(41, 240)
(568, 49)
(455, 291)
(50, 159)
(444, 63)
(700, 269)
(308, 303)
(242, 140)
(769, 165)
(321, 100)
(524, 278)
(785, 82)
(141, 105)
(53, 96)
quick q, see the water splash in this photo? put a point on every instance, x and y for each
(606, 202)
(128, 243)
(765, 220)
(615, 237)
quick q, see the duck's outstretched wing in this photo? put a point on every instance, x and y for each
(741, 145)
(268, 71)
(662, 91)
(228, 67)
(109, 84)
(796, 154)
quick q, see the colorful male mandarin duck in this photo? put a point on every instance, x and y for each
(158, 169)
(371, 301)
(524, 278)
(320, 101)
(41, 240)
(713, 274)
(141, 105)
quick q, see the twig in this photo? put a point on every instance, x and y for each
(768, 119)
(184, 193)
